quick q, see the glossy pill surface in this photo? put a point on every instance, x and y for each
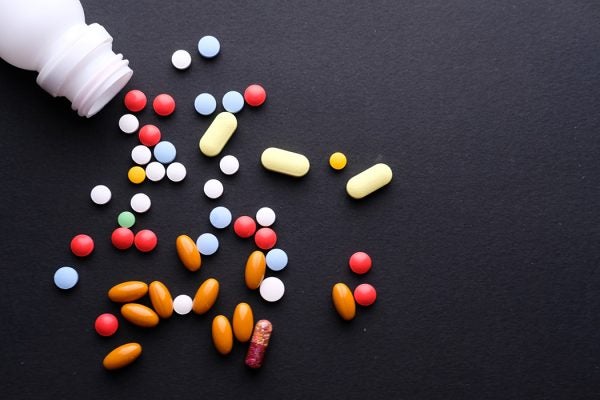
(220, 217)
(161, 299)
(233, 101)
(258, 344)
(272, 289)
(243, 322)
(206, 296)
(285, 162)
(205, 104)
(106, 324)
(82, 245)
(277, 259)
(369, 180)
(100, 194)
(256, 266)
(218, 134)
(66, 278)
(265, 238)
(244, 226)
(135, 100)
(136, 174)
(365, 294)
(188, 252)
(128, 123)
(127, 291)
(145, 240)
(181, 59)
(165, 152)
(164, 105)
(255, 95)
(149, 135)
(222, 334)
(140, 315)
(122, 356)
(209, 46)
(337, 161)
(122, 238)
(126, 219)
(207, 244)
(343, 301)
(360, 262)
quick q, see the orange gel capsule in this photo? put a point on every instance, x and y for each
(222, 335)
(139, 315)
(343, 300)
(243, 322)
(206, 296)
(188, 252)
(127, 291)
(122, 356)
(255, 269)
(161, 299)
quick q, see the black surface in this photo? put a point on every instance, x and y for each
(485, 245)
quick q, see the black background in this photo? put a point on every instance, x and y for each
(485, 244)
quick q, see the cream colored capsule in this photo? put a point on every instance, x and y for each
(285, 162)
(369, 180)
(122, 356)
(218, 134)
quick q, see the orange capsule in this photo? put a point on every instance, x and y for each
(188, 252)
(206, 296)
(243, 322)
(222, 335)
(139, 315)
(122, 356)
(127, 291)
(161, 299)
(255, 269)
(343, 300)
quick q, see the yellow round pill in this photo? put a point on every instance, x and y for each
(337, 160)
(136, 174)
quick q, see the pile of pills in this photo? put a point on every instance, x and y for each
(364, 294)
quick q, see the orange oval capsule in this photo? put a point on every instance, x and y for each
(127, 291)
(122, 356)
(255, 269)
(343, 300)
(243, 322)
(139, 315)
(222, 335)
(188, 252)
(161, 299)
(206, 296)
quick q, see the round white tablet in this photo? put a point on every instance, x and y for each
(141, 154)
(100, 194)
(229, 165)
(265, 216)
(213, 188)
(140, 202)
(129, 123)
(155, 171)
(176, 172)
(182, 304)
(181, 59)
(272, 289)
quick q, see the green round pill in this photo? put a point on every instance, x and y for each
(126, 219)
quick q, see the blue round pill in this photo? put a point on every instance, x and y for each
(233, 101)
(220, 217)
(207, 244)
(209, 46)
(277, 259)
(205, 104)
(66, 277)
(164, 152)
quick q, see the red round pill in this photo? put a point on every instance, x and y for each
(145, 240)
(255, 95)
(163, 105)
(106, 324)
(244, 226)
(265, 238)
(82, 245)
(135, 100)
(365, 294)
(122, 238)
(149, 135)
(360, 263)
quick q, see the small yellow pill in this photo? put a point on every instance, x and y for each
(256, 266)
(140, 315)
(205, 296)
(222, 335)
(188, 252)
(161, 299)
(127, 291)
(136, 174)
(369, 180)
(218, 134)
(285, 162)
(122, 356)
(243, 322)
(343, 301)
(337, 161)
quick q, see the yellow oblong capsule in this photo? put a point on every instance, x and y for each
(127, 291)
(222, 335)
(218, 134)
(343, 301)
(285, 162)
(188, 252)
(369, 180)
(161, 299)
(140, 315)
(256, 266)
(243, 322)
(122, 356)
(206, 295)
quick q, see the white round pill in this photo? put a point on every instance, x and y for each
(155, 171)
(141, 154)
(229, 165)
(213, 188)
(176, 172)
(129, 123)
(181, 59)
(100, 194)
(182, 304)
(265, 216)
(272, 289)
(140, 202)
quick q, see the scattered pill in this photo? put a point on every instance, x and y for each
(220, 217)
(128, 123)
(277, 259)
(135, 100)
(122, 356)
(182, 304)
(206, 295)
(100, 194)
(272, 289)
(140, 315)
(161, 299)
(343, 301)
(365, 294)
(258, 344)
(265, 216)
(243, 322)
(145, 240)
(136, 174)
(337, 161)
(141, 154)
(265, 238)
(213, 188)
(233, 101)
(218, 134)
(122, 238)
(106, 324)
(155, 171)
(140, 202)
(82, 245)
(254, 272)
(360, 262)
(222, 334)
(255, 95)
(188, 252)
(129, 291)
(149, 135)
(176, 172)
(285, 162)
(66, 277)
(207, 244)
(369, 180)
(163, 105)
(181, 59)
(229, 165)
(165, 152)
(209, 46)
(205, 104)
(244, 226)
(126, 219)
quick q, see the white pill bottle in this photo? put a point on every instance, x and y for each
(74, 60)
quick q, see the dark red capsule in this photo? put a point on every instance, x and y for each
(258, 344)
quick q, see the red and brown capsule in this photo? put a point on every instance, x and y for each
(258, 343)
